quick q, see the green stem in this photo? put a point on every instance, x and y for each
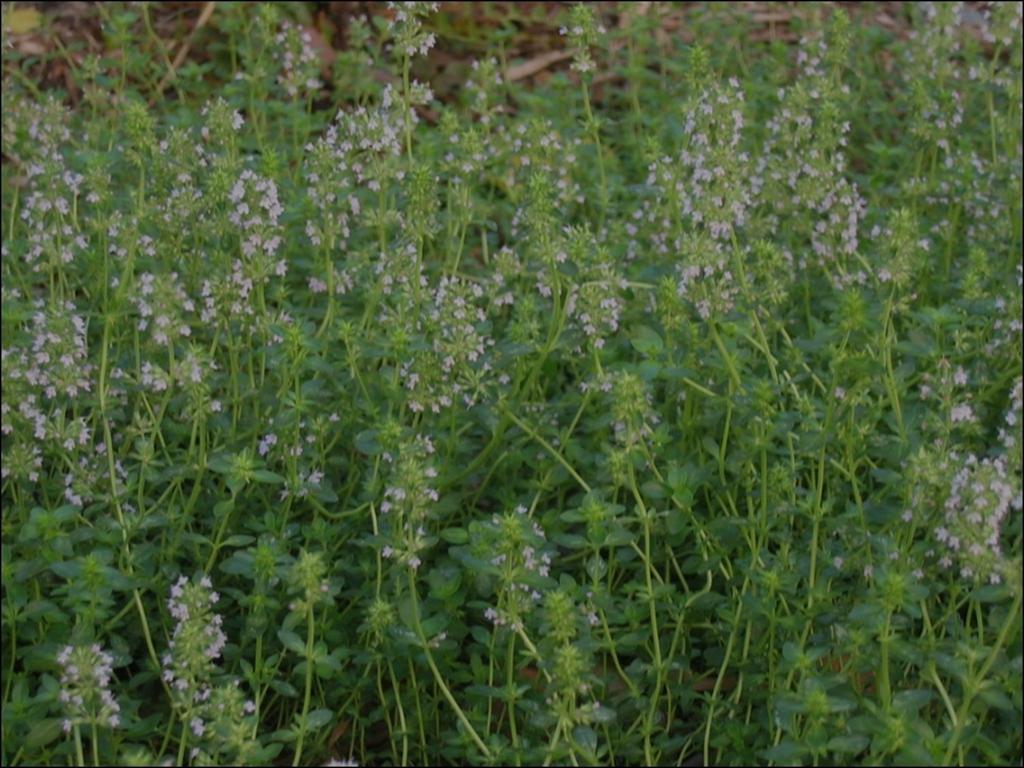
(79, 754)
(309, 683)
(975, 684)
(181, 743)
(438, 678)
(401, 714)
(726, 357)
(884, 685)
(546, 446)
(718, 681)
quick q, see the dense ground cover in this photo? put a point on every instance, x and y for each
(668, 411)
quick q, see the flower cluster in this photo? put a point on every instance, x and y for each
(56, 361)
(981, 495)
(596, 301)
(523, 562)
(455, 366)
(298, 61)
(804, 166)
(86, 671)
(308, 578)
(583, 31)
(712, 182)
(482, 86)
(161, 301)
(409, 495)
(196, 643)
(410, 39)
(256, 213)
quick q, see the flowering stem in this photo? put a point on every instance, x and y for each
(408, 108)
(596, 135)
(109, 445)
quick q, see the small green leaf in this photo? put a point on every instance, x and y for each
(222, 508)
(912, 700)
(455, 535)
(996, 698)
(366, 442)
(785, 752)
(318, 718)
(266, 476)
(292, 642)
(991, 593)
(285, 689)
(586, 738)
(646, 341)
(43, 732)
(848, 745)
(239, 564)
(220, 464)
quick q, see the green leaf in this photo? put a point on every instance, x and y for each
(434, 625)
(43, 732)
(786, 752)
(366, 442)
(220, 464)
(67, 570)
(484, 691)
(266, 476)
(646, 341)
(284, 688)
(991, 593)
(444, 581)
(912, 700)
(586, 738)
(239, 564)
(327, 665)
(455, 535)
(292, 642)
(675, 521)
(222, 508)
(848, 745)
(996, 698)
(266, 755)
(480, 634)
(318, 718)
